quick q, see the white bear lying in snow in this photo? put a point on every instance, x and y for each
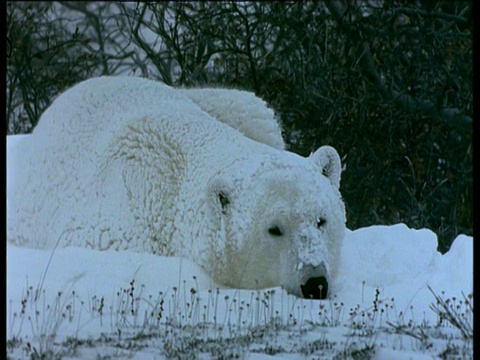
(128, 163)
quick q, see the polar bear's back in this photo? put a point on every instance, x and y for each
(102, 105)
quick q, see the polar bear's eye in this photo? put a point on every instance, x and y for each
(320, 222)
(223, 200)
(275, 231)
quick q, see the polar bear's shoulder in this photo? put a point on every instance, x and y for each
(241, 110)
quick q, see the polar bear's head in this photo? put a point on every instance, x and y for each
(283, 224)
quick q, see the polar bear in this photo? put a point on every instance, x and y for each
(131, 164)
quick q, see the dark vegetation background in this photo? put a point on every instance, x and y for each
(387, 83)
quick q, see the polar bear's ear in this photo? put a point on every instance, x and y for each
(219, 195)
(224, 201)
(328, 160)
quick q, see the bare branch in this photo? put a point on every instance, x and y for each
(451, 116)
(427, 14)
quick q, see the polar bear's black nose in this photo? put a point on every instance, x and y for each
(315, 288)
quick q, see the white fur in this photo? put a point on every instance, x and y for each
(241, 110)
(129, 163)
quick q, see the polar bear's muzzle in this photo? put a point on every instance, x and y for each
(315, 288)
(314, 282)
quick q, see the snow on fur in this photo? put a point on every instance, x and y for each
(129, 163)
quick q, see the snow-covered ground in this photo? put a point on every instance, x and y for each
(80, 303)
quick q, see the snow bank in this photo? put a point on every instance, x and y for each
(398, 261)
(390, 266)
(401, 263)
